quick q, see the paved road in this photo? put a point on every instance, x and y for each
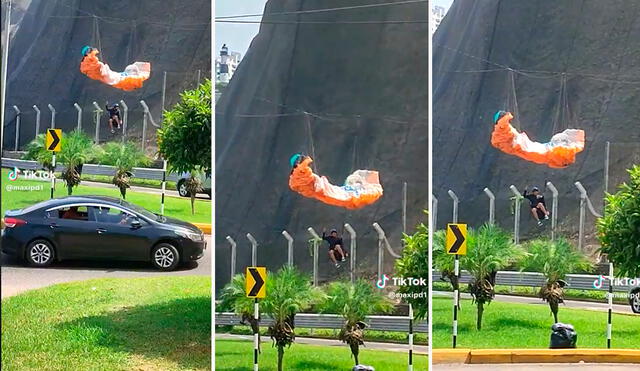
(539, 367)
(418, 349)
(17, 278)
(603, 307)
(154, 191)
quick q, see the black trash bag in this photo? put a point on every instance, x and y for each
(363, 368)
(563, 336)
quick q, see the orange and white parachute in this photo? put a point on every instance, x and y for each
(559, 152)
(132, 78)
(360, 189)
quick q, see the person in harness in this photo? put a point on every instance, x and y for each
(537, 204)
(336, 251)
(114, 117)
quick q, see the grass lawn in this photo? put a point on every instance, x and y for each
(110, 324)
(174, 206)
(511, 325)
(235, 355)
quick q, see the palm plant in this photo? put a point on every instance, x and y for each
(77, 149)
(414, 262)
(444, 262)
(554, 259)
(288, 292)
(234, 298)
(36, 151)
(354, 302)
(124, 156)
(489, 250)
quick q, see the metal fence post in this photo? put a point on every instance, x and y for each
(18, 114)
(233, 244)
(404, 207)
(516, 218)
(289, 247)
(353, 246)
(198, 82)
(53, 116)
(607, 153)
(434, 212)
(79, 109)
(492, 205)
(583, 204)
(254, 250)
(381, 237)
(164, 92)
(98, 113)
(316, 239)
(554, 209)
(125, 118)
(144, 123)
(455, 199)
(35, 108)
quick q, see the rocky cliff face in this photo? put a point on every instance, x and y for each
(44, 57)
(351, 95)
(593, 43)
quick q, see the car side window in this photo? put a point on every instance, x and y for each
(113, 216)
(73, 213)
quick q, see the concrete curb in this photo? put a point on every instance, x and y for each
(489, 356)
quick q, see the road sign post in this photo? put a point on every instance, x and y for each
(456, 245)
(256, 288)
(53, 144)
(410, 338)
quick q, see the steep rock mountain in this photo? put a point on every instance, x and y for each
(352, 95)
(593, 44)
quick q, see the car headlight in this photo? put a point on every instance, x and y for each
(196, 237)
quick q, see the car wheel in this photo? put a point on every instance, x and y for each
(182, 188)
(165, 257)
(634, 300)
(40, 253)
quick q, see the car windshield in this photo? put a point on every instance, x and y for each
(142, 211)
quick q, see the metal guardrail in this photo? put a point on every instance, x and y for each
(89, 169)
(534, 279)
(332, 321)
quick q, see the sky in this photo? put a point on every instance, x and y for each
(239, 36)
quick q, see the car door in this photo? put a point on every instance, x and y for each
(74, 230)
(118, 235)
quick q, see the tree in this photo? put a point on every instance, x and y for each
(289, 292)
(619, 229)
(76, 150)
(36, 151)
(354, 302)
(234, 298)
(414, 262)
(185, 137)
(124, 156)
(554, 259)
(489, 249)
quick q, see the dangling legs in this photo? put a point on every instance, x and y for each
(534, 212)
(544, 210)
(341, 252)
(332, 256)
(111, 125)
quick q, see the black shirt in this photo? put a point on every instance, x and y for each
(533, 199)
(113, 111)
(333, 241)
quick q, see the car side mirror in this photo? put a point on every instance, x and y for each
(135, 224)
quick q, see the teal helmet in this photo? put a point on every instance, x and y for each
(294, 159)
(497, 116)
(86, 50)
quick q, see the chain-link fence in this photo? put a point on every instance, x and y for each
(25, 121)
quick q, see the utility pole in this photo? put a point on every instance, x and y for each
(5, 61)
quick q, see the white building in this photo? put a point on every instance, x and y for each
(437, 14)
(226, 64)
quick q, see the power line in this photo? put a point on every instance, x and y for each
(324, 22)
(312, 11)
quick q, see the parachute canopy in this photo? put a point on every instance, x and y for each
(360, 189)
(559, 152)
(132, 77)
